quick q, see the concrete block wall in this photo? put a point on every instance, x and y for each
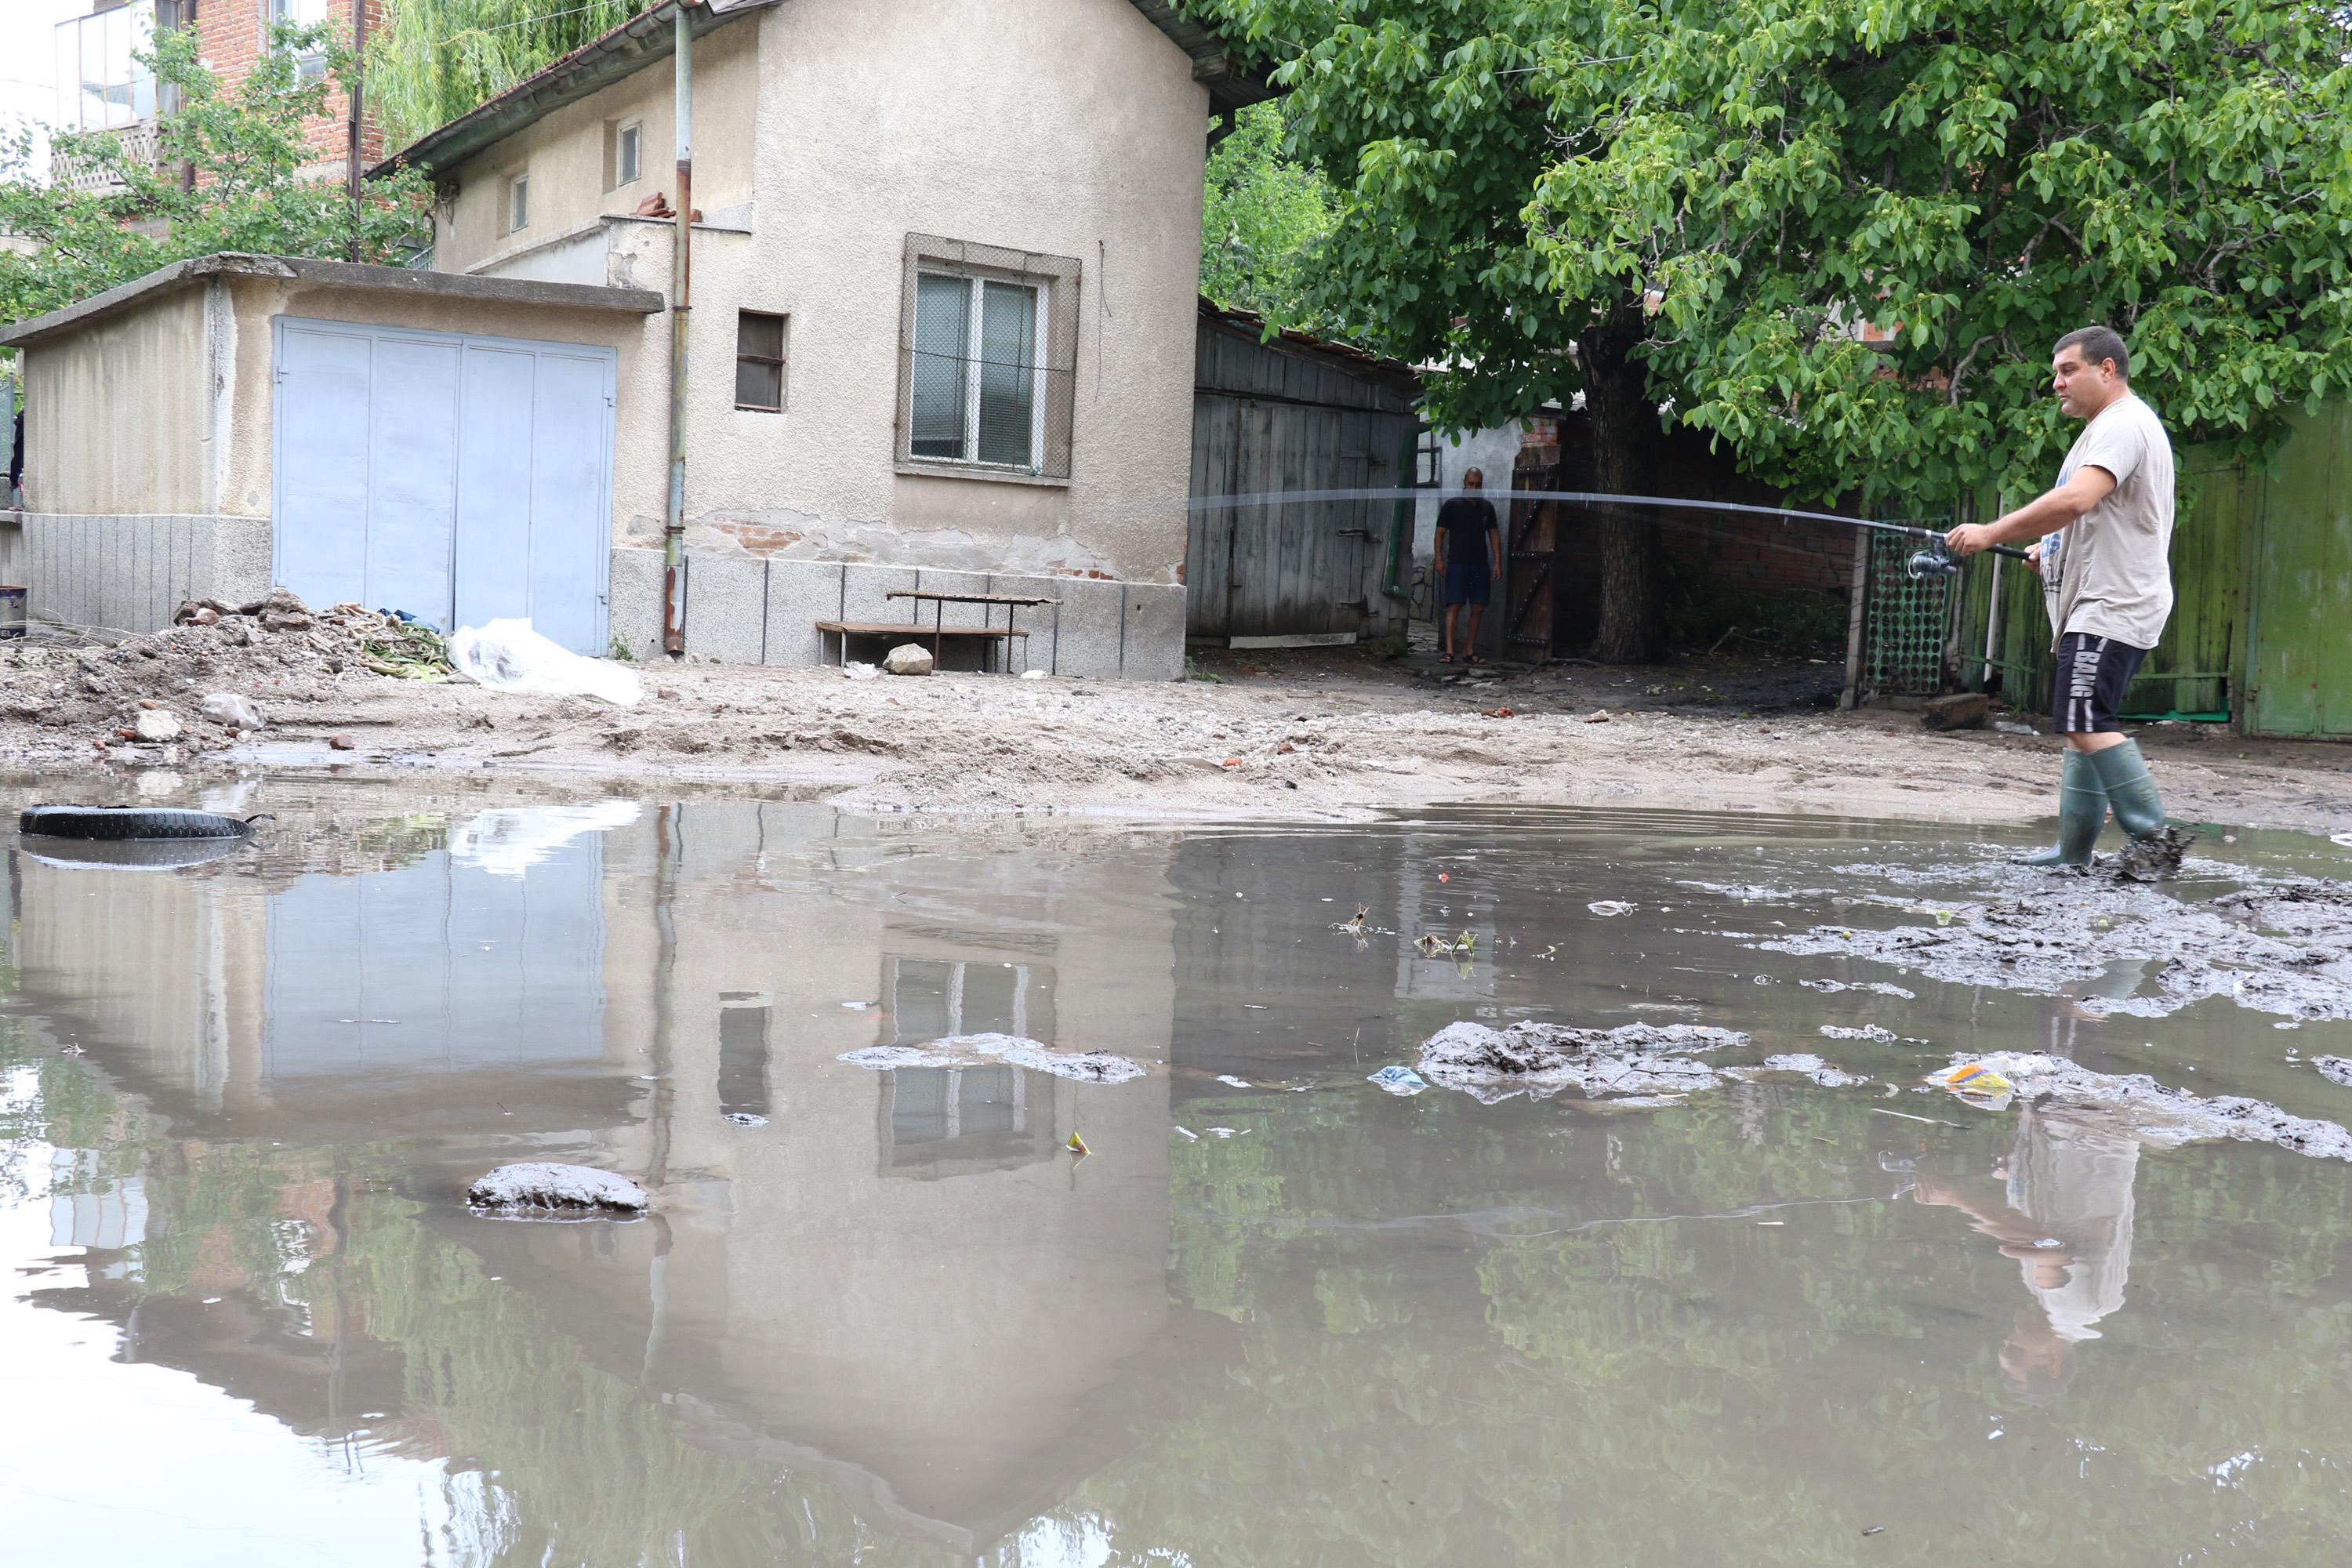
(753, 609)
(127, 573)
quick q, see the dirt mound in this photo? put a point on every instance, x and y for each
(269, 652)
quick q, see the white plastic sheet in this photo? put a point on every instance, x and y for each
(508, 655)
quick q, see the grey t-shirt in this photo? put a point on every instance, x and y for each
(2115, 577)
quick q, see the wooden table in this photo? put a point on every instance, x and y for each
(940, 630)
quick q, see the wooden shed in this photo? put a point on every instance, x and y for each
(1296, 414)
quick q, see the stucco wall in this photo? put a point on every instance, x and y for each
(1067, 127)
(116, 417)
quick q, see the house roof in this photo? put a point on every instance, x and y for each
(651, 36)
(349, 275)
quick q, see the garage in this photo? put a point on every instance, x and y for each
(462, 479)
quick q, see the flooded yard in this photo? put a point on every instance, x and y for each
(1266, 1309)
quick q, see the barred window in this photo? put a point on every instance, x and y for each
(988, 342)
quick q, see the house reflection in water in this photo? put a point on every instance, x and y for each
(900, 1282)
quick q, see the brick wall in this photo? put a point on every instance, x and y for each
(231, 34)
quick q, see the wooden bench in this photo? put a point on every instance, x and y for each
(903, 632)
(915, 631)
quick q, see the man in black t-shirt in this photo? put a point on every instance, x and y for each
(1469, 556)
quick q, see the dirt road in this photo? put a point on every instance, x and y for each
(1319, 734)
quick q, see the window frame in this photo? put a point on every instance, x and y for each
(624, 132)
(976, 366)
(782, 361)
(517, 189)
(312, 66)
(1055, 282)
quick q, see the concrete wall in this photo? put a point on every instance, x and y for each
(985, 121)
(128, 573)
(117, 417)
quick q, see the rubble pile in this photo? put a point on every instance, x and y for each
(2156, 1113)
(214, 675)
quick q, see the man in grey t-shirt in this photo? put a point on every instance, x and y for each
(2110, 528)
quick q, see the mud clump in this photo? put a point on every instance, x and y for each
(540, 1189)
(974, 1050)
(2283, 949)
(2151, 1111)
(1540, 1060)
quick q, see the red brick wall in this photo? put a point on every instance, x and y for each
(231, 34)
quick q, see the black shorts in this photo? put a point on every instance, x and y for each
(2092, 674)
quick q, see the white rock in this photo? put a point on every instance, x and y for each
(538, 1185)
(907, 659)
(156, 724)
(236, 713)
(1033, 675)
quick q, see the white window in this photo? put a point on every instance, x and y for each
(99, 86)
(303, 14)
(518, 203)
(628, 152)
(977, 393)
(989, 339)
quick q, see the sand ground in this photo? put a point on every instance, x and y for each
(1310, 734)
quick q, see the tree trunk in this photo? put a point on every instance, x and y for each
(1624, 454)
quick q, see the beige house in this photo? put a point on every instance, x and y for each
(941, 339)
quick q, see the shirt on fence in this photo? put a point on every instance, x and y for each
(2114, 576)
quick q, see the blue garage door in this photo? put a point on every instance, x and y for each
(460, 479)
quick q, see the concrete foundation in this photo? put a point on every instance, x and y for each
(752, 609)
(127, 573)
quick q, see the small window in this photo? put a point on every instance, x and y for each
(760, 362)
(303, 14)
(742, 1057)
(628, 160)
(1428, 460)
(518, 203)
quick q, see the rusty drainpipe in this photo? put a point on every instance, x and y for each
(681, 308)
(359, 116)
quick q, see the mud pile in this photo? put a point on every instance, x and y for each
(1641, 1061)
(2285, 948)
(976, 1050)
(2156, 1113)
(269, 652)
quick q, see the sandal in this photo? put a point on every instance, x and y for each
(1474, 659)
(1445, 659)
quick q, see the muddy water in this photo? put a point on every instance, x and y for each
(1274, 1315)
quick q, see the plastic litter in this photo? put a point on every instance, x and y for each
(858, 670)
(230, 708)
(1077, 1146)
(746, 1119)
(539, 1186)
(508, 655)
(1610, 906)
(1398, 1080)
(1971, 1078)
(1226, 1077)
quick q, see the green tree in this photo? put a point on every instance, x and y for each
(1695, 205)
(226, 177)
(434, 60)
(1263, 215)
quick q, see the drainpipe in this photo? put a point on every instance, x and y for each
(681, 307)
(358, 84)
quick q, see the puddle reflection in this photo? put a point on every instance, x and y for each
(1272, 1315)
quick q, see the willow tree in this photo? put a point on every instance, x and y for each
(429, 61)
(1689, 210)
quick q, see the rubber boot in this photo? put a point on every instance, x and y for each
(2081, 812)
(2131, 794)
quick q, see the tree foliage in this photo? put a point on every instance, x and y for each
(434, 60)
(226, 177)
(1264, 215)
(1697, 203)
